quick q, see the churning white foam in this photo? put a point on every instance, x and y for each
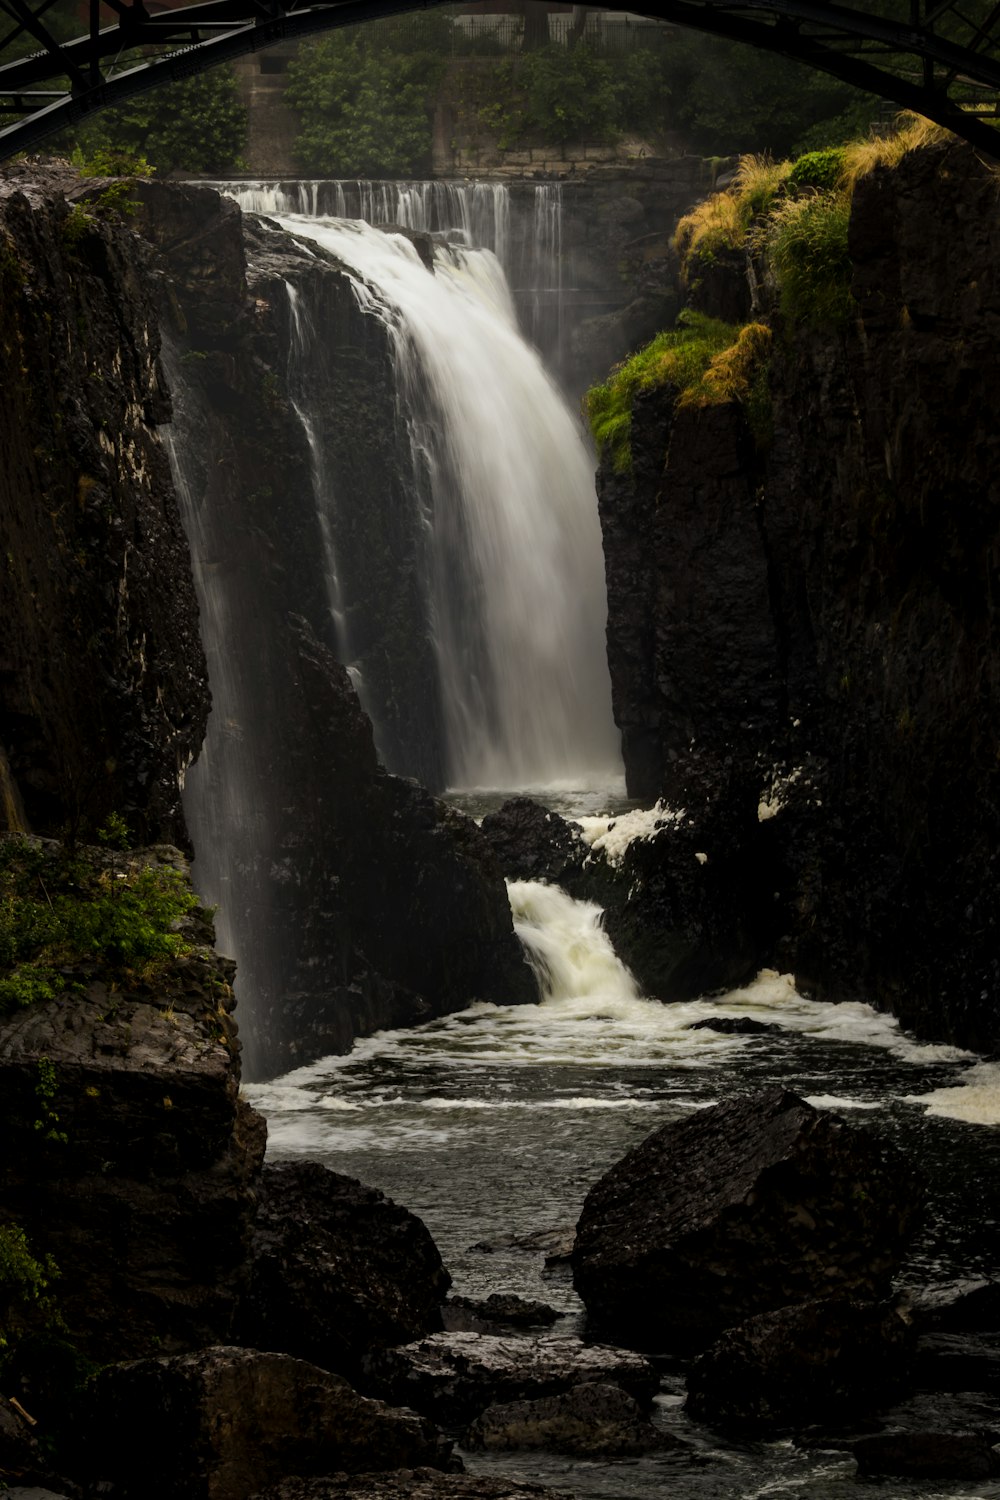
(612, 836)
(975, 1099)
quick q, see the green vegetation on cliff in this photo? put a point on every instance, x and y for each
(790, 219)
(704, 361)
(61, 913)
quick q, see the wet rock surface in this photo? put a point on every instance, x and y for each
(337, 1269)
(409, 1484)
(221, 1423)
(586, 1421)
(454, 1376)
(532, 843)
(824, 1361)
(744, 1207)
(500, 1312)
(103, 687)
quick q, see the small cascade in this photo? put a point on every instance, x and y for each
(514, 560)
(568, 949)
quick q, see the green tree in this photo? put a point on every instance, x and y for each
(730, 98)
(364, 97)
(198, 124)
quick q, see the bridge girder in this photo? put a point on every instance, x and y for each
(921, 62)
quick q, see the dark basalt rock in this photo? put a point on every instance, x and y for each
(219, 1424)
(532, 843)
(820, 605)
(496, 1313)
(337, 1269)
(735, 1026)
(143, 1190)
(454, 1376)
(958, 1362)
(103, 690)
(745, 1207)
(408, 1484)
(928, 1455)
(830, 1360)
(587, 1421)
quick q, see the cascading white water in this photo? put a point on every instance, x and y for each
(517, 578)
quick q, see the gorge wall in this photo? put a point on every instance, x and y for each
(803, 638)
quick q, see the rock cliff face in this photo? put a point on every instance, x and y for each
(805, 638)
(130, 1159)
(103, 694)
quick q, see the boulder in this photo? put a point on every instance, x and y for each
(495, 1313)
(219, 1424)
(585, 1421)
(532, 843)
(828, 1360)
(407, 1484)
(928, 1455)
(748, 1206)
(337, 1269)
(452, 1377)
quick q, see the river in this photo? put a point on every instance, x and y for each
(492, 1124)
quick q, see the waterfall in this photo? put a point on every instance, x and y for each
(514, 559)
(522, 228)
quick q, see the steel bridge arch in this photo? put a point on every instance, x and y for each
(941, 49)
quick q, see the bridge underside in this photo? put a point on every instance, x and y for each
(940, 59)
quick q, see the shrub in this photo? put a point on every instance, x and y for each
(822, 170)
(25, 1299)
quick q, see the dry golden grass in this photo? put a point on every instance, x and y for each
(732, 372)
(862, 157)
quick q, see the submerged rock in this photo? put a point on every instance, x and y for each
(408, 1484)
(495, 1314)
(748, 1206)
(454, 1376)
(337, 1269)
(735, 1026)
(219, 1424)
(585, 1421)
(826, 1360)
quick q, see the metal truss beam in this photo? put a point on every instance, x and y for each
(936, 57)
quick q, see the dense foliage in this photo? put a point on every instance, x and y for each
(364, 97)
(60, 911)
(564, 94)
(198, 124)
